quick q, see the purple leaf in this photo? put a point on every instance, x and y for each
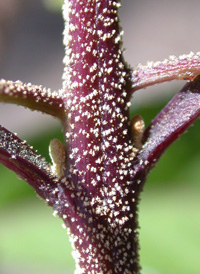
(167, 126)
(33, 97)
(19, 157)
(184, 67)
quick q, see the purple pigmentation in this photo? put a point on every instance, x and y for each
(98, 175)
(99, 145)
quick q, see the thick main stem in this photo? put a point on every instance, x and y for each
(100, 151)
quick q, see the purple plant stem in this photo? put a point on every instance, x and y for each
(98, 196)
(99, 143)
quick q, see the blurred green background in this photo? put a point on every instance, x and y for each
(32, 240)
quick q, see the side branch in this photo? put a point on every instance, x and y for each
(19, 157)
(33, 97)
(184, 67)
(167, 126)
(24, 161)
